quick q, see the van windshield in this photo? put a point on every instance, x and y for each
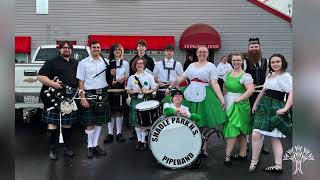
(45, 54)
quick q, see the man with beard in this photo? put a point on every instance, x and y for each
(64, 67)
(257, 67)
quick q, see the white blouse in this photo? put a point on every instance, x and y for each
(206, 73)
(282, 82)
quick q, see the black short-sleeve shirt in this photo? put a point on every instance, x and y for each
(58, 67)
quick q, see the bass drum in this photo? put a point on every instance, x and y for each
(175, 141)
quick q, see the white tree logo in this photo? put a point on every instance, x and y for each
(296, 155)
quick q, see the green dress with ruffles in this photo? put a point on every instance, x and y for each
(239, 120)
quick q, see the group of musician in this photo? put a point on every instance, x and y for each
(226, 96)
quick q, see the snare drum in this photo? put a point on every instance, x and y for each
(148, 112)
(117, 99)
(175, 141)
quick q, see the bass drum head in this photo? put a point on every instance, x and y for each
(175, 141)
(147, 105)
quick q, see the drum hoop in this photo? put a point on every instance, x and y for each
(147, 109)
(149, 143)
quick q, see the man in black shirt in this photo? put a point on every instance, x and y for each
(142, 47)
(64, 68)
(257, 67)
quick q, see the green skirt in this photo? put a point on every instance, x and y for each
(239, 120)
(209, 109)
(266, 117)
(133, 118)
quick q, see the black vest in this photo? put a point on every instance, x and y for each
(257, 72)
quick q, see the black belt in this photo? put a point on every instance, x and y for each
(97, 91)
(278, 95)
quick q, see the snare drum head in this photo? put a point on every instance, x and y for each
(175, 141)
(147, 105)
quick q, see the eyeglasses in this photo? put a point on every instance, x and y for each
(202, 52)
(66, 47)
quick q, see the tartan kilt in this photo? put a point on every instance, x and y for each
(89, 116)
(266, 115)
(133, 118)
(53, 117)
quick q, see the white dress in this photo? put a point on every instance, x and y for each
(283, 83)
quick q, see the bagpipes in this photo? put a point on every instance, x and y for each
(63, 100)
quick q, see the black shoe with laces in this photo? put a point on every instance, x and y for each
(238, 157)
(120, 138)
(90, 152)
(273, 169)
(52, 155)
(98, 151)
(68, 152)
(108, 139)
(253, 167)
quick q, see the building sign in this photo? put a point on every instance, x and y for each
(196, 46)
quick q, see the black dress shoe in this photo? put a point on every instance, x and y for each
(138, 145)
(238, 157)
(98, 151)
(90, 152)
(52, 155)
(68, 152)
(120, 138)
(108, 139)
(273, 169)
(264, 150)
(143, 146)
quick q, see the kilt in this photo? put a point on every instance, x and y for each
(133, 118)
(90, 116)
(53, 117)
(266, 118)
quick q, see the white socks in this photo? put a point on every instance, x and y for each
(96, 135)
(138, 131)
(118, 120)
(110, 125)
(90, 137)
(143, 136)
